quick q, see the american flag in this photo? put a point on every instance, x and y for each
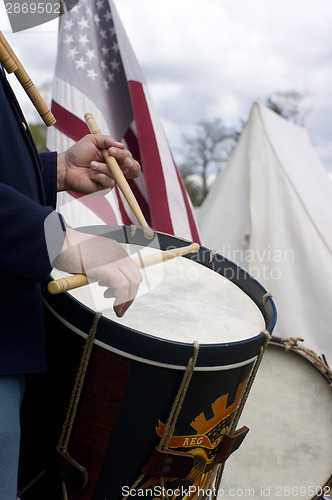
(97, 72)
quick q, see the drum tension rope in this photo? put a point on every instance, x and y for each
(291, 343)
(68, 468)
(165, 462)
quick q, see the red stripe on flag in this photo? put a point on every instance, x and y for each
(132, 143)
(141, 201)
(125, 218)
(99, 205)
(133, 147)
(192, 223)
(68, 123)
(155, 183)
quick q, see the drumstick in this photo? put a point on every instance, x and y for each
(120, 179)
(27, 84)
(6, 60)
(63, 284)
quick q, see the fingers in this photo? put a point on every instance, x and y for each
(130, 167)
(100, 174)
(106, 142)
(106, 261)
(125, 282)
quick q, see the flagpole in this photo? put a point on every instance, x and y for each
(62, 11)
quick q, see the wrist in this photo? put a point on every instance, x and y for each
(61, 172)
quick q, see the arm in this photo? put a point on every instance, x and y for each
(24, 252)
(35, 239)
(82, 169)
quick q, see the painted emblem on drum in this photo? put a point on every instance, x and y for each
(203, 444)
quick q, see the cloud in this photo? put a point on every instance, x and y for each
(211, 59)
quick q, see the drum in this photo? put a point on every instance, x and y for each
(199, 302)
(287, 452)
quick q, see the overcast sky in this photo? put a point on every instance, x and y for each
(207, 59)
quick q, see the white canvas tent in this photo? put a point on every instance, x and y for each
(270, 211)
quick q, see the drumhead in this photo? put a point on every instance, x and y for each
(287, 452)
(188, 301)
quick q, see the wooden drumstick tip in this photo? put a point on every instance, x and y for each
(91, 123)
(194, 247)
(64, 284)
(55, 287)
(148, 232)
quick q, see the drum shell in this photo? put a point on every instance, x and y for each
(129, 390)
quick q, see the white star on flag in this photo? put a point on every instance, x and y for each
(84, 39)
(84, 23)
(90, 53)
(68, 24)
(92, 74)
(72, 52)
(69, 39)
(80, 63)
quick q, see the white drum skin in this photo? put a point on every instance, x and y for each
(287, 452)
(189, 301)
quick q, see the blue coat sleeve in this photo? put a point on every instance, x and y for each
(49, 177)
(23, 245)
(27, 198)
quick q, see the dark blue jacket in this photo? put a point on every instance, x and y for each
(27, 198)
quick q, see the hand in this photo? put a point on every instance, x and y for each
(82, 169)
(104, 260)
